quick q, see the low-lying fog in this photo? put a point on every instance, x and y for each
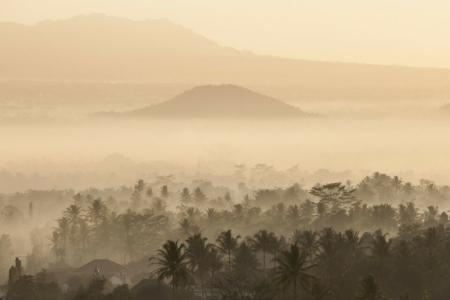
(416, 147)
(57, 153)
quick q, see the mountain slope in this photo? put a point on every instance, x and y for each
(102, 48)
(97, 47)
(220, 101)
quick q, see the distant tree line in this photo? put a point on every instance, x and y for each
(379, 239)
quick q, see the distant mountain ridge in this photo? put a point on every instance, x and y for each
(220, 102)
(100, 47)
(103, 48)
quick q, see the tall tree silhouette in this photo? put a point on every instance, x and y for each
(197, 251)
(293, 269)
(227, 243)
(172, 264)
(263, 241)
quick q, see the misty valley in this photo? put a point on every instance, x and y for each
(221, 192)
(142, 160)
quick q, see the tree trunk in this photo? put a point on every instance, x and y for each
(295, 289)
(202, 286)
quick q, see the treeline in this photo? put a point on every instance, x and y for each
(323, 264)
(382, 235)
(89, 228)
(310, 264)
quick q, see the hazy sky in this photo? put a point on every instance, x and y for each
(411, 32)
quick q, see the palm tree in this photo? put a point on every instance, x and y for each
(293, 215)
(227, 243)
(329, 244)
(352, 243)
(188, 227)
(197, 254)
(307, 241)
(185, 196)
(369, 289)
(381, 247)
(245, 262)
(293, 269)
(196, 250)
(431, 239)
(199, 196)
(263, 241)
(172, 264)
(73, 214)
(214, 261)
(211, 215)
(275, 247)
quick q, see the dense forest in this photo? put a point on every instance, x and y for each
(381, 238)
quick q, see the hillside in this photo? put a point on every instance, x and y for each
(108, 49)
(220, 101)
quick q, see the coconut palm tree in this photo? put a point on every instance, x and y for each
(276, 246)
(73, 214)
(172, 264)
(292, 270)
(214, 262)
(245, 262)
(197, 251)
(381, 247)
(263, 241)
(329, 254)
(307, 240)
(227, 243)
(352, 242)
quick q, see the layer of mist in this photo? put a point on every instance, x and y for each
(140, 160)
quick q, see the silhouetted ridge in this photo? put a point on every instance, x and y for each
(103, 48)
(220, 101)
